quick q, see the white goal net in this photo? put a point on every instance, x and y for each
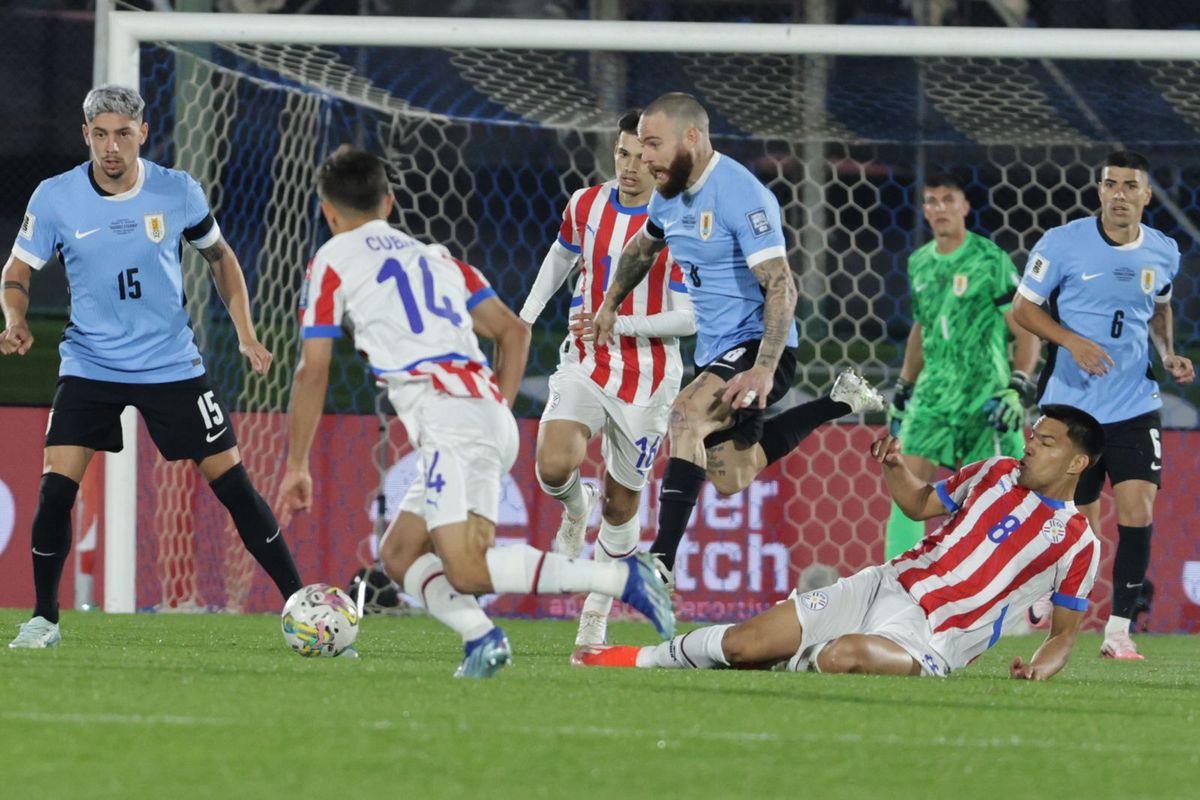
(484, 147)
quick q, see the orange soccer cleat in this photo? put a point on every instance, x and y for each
(603, 655)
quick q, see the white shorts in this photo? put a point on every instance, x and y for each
(633, 434)
(873, 602)
(466, 447)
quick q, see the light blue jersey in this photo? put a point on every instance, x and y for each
(1107, 293)
(717, 229)
(128, 323)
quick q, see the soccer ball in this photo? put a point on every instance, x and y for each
(319, 620)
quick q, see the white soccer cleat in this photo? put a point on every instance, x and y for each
(38, 633)
(593, 629)
(1121, 647)
(853, 390)
(667, 576)
(569, 539)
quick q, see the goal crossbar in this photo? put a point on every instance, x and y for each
(125, 32)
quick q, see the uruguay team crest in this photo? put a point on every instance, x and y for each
(156, 227)
(706, 224)
(960, 284)
(1147, 279)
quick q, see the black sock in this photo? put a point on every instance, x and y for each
(1129, 568)
(784, 431)
(676, 499)
(51, 541)
(258, 528)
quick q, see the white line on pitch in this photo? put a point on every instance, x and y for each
(114, 719)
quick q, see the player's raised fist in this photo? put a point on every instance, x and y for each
(886, 450)
(16, 339)
(1180, 368)
(259, 356)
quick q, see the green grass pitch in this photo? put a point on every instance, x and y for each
(214, 706)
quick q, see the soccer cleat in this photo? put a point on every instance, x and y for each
(853, 390)
(621, 655)
(485, 656)
(1121, 647)
(569, 539)
(665, 574)
(1039, 613)
(645, 591)
(38, 633)
(593, 628)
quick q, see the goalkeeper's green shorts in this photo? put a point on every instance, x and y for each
(946, 438)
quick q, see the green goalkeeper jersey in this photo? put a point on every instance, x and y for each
(960, 299)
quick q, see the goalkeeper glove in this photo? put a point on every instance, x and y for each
(900, 397)
(1006, 409)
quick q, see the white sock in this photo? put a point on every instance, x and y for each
(521, 569)
(1117, 625)
(426, 579)
(569, 494)
(614, 542)
(698, 649)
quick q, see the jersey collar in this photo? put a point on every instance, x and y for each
(614, 200)
(126, 195)
(699, 184)
(1134, 245)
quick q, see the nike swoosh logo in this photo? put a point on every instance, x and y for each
(79, 235)
(668, 224)
(273, 538)
(1087, 277)
(37, 553)
(919, 287)
(1155, 467)
(212, 437)
(672, 491)
(722, 364)
(1132, 585)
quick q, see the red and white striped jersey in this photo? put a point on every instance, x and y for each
(1003, 547)
(410, 305)
(596, 227)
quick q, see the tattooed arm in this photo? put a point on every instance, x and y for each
(636, 260)
(231, 285)
(779, 309)
(14, 301)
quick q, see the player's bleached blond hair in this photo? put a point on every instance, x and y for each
(682, 109)
(113, 99)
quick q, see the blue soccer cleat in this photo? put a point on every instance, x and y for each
(645, 591)
(485, 656)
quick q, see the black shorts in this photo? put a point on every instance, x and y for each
(183, 417)
(1132, 451)
(748, 422)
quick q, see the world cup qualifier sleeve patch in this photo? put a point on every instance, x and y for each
(759, 223)
(1038, 266)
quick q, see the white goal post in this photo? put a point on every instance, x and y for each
(126, 31)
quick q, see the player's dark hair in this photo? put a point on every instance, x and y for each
(1128, 159)
(353, 179)
(629, 121)
(1082, 429)
(943, 180)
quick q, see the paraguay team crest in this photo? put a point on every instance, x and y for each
(960, 284)
(1147, 279)
(1055, 530)
(706, 224)
(156, 227)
